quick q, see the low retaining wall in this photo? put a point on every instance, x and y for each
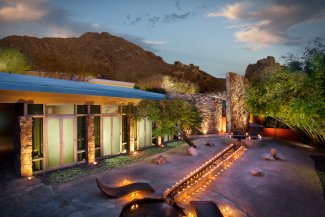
(287, 134)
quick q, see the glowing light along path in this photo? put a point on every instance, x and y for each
(201, 177)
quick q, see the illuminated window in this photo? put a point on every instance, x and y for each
(60, 109)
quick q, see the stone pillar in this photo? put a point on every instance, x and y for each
(237, 115)
(25, 144)
(251, 118)
(159, 140)
(90, 126)
(218, 116)
(132, 123)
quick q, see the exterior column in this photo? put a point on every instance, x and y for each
(237, 115)
(218, 117)
(132, 123)
(90, 126)
(25, 144)
(251, 118)
(159, 140)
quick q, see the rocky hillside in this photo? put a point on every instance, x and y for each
(255, 71)
(106, 56)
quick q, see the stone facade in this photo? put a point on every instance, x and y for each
(90, 125)
(25, 144)
(209, 106)
(237, 115)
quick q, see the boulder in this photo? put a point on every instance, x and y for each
(210, 144)
(256, 172)
(192, 151)
(273, 152)
(268, 157)
(159, 160)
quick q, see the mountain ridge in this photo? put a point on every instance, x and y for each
(106, 56)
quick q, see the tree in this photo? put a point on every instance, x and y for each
(12, 60)
(294, 95)
(171, 116)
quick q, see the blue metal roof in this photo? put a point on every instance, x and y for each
(20, 82)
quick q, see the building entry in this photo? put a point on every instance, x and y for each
(60, 141)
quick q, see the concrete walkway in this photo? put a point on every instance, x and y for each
(289, 188)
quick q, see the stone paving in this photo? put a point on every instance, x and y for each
(288, 188)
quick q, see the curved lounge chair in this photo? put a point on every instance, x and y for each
(123, 190)
(206, 209)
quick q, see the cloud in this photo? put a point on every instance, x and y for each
(140, 42)
(153, 42)
(95, 25)
(136, 20)
(231, 12)
(262, 25)
(177, 4)
(37, 18)
(152, 21)
(259, 38)
(16, 11)
(175, 17)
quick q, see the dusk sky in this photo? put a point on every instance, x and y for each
(218, 36)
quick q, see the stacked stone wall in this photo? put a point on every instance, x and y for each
(237, 114)
(90, 125)
(25, 145)
(209, 106)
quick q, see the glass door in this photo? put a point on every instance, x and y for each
(116, 144)
(148, 132)
(67, 140)
(107, 135)
(111, 135)
(144, 132)
(60, 137)
(53, 145)
(141, 133)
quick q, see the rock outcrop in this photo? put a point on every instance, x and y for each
(106, 56)
(255, 71)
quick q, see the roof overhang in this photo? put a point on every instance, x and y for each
(23, 88)
(12, 96)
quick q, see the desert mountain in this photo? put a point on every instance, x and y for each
(106, 56)
(254, 72)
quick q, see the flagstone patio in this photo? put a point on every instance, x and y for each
(288, 188)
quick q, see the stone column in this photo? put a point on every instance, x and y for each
(218, 116)
(132, 123)
(25, 144)
(237, 115)
(90, 126)
(159, 140)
